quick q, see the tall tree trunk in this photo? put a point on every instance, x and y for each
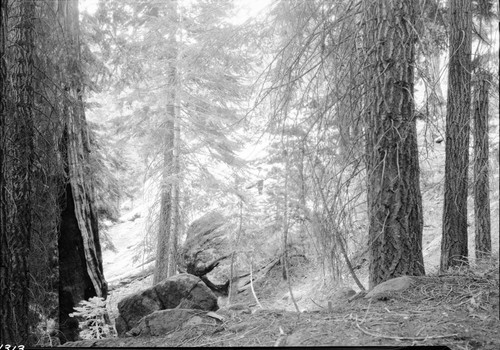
(233, 272)
(165, 255)
(6, 332)
(176, 216)
(80, 257)
(284, 261)
(172, 266)
(481, 171)
(394, 199)
(285, 271)
(5, 273)
(454, 250)
(17, 165)
(165, 224)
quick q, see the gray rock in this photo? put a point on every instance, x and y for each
(343, 293)
(206, 244)
(385, 289)
(134, 307)
(184, 290)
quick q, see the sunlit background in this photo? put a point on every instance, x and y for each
(245, 9)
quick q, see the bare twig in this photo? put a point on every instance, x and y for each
(251, 284)
(316, 303)
(379, 335)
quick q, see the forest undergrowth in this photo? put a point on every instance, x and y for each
(459, 309)
(314, 149)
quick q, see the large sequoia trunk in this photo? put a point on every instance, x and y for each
(5, 273)
(41, 110)
(80, 260)
(75, 281)
(16, 167)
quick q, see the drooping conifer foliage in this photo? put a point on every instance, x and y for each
(175, 78)
(182, 79)
(313, 131)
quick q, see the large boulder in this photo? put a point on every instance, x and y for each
(179, 291)
(185, 291)
(134, 307)
(207, 244)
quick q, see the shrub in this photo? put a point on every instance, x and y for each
(93, 315)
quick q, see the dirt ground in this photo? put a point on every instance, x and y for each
(458, 310)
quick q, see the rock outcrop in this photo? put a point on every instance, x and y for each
(182, 291)
(206, 246)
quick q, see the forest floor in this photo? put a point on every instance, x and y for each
(459, 310)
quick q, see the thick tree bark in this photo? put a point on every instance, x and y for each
(80, 258)
(481, 171)
(56, 25)
(6, 268)
(18, 155)
(394, 199)
(454, 247)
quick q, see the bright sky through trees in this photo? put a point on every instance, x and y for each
(247, 9)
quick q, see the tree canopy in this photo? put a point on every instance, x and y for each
(315, 129)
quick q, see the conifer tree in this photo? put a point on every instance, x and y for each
(394, 199)
(17, 165)
(481, 167)
(454, 245)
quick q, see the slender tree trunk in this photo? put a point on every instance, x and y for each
(165, 254)
(481, 171)
(164, 230)
(454, 249)
(394, 199)
(176, 216)
(285, 271)
(284, 260)
(173, 246)
(17, 165)
(233, 278)
(302, 199)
